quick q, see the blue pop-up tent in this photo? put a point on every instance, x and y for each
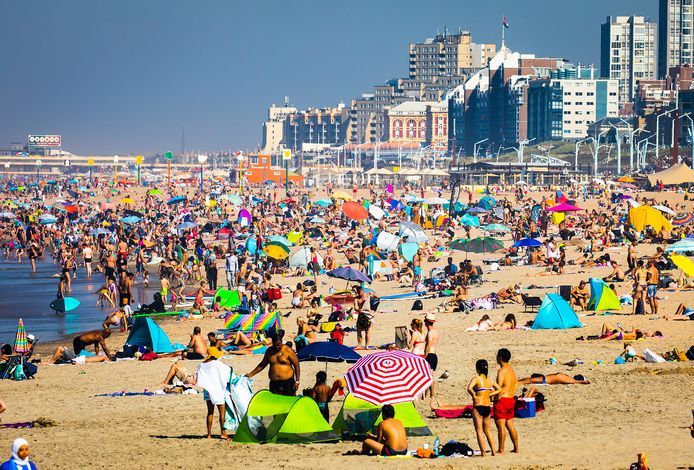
(145, 332)
(555, 313)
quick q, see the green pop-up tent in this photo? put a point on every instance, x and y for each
(227, 298)
(283, 420)
(359, 417)
(602, 297)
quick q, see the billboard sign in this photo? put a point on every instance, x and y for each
(45, 141)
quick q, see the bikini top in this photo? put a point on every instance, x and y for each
(483, 389)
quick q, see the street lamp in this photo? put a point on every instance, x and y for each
(201, 160)
(38, 169)
(115, 169)
(239, 157)
(596, 149)
(691, 134)
(578, 145)
(7, 171)
(475, 147)
(657, 132)
(631, 147)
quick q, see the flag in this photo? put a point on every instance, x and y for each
(506, 25)
(238, 154)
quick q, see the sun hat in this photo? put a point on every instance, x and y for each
(214, 353)
(430, 317)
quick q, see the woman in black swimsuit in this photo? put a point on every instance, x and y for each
(481, 389)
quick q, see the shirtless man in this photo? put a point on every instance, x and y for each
(432, 339)
(617, 273)
(284, 372)
(579, 296)
(504, 407)
(110, 270)
(96, 337)
(652, 280)
(417, 268)
(197, 347)
(390, 438)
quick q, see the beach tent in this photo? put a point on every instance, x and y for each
(228, 298)
(555, 313)
(279, 419)
(676, 174)
(387, 241)
(358, 416)
(602, 297)
(145, 332)
(302, 257)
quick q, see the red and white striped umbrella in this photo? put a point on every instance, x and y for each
(389, 377)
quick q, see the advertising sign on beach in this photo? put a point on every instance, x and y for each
(45, 141)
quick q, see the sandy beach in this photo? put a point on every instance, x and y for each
(627, 409)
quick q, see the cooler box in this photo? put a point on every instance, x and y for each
(525, 408)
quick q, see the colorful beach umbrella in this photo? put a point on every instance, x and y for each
(342, 195)
(389, 377)
(276, 250)
(470, 220)
(683, 218)
(349, 274)
(527, 243)
(131, 219)
(478, 245)
(154, 192)
(21, 345)
(355, 211)
(497, 228)
(324, 202)
(684, 263)
(564, 207)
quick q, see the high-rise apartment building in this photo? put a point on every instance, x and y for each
(675, 35)
(447, 55)
(628, 52)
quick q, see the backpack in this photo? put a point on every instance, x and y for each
(374, 302)
(454, 447)
(417, 305)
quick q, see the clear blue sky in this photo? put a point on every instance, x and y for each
(122, 76)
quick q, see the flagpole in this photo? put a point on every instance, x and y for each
(503, 34)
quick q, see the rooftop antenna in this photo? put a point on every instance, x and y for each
(286, 101)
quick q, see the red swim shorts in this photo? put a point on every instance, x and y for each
(504, 408)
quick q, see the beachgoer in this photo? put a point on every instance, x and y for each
(509, 323)
(579, 295)
(504, 407)
(321, 393)
(95, 337)
(554, 379)
(481, 389)
(178, 371)
(682, 313)
(213, 376)
(197, 347)
(390, 438)
(416, 341)
(20, 457)
(432, 340)
(284, 372)
(652, 281)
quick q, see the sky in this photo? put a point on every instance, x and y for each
(124, 77)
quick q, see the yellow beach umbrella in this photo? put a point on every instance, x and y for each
(342, 195)
(645, 215)
(684, 263)
(626, 179)
(295, 236)
(276, 250)
(127, 200)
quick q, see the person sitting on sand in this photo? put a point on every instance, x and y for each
(197, 347)
(96, 337)
(390, 438)
(178, 371)
(510, 294)
(617, 274)
(682, 313)
(509, 323)
(116, 318)
(579, 296)
(554, 379)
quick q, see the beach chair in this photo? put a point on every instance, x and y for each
(531, 303)
(7, 370)
(565, 292)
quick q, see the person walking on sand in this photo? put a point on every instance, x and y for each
(504, 407)
(213, 377)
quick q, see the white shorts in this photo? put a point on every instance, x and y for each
(80, 359)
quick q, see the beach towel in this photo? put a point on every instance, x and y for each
(214, 376)
(652, 357)
(462, 412)
(238, 398)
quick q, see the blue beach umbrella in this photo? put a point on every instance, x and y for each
(328, 351)
(131, 219)
(527, 243)
(176, 200)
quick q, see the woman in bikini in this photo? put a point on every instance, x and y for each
(509, 323)
(481, 389)
(640, 284)
(416, 338)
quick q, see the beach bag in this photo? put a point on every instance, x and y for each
(454, 447)
(18, 373)
(417, 305)
(274, 293)
(401, 337)
(148, 356)
(374, 302)
(690, 353)
(337, 335)
(639, 308)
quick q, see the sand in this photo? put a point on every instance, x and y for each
(627, 409)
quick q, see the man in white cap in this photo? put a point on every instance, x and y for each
(432, 339)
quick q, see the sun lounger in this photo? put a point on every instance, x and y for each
(531, 303)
